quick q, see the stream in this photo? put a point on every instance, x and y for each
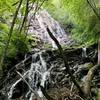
(45, 68)
(38, 74)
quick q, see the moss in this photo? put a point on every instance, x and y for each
(47, 46)
(98, 95)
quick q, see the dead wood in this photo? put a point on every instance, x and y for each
(65, 61)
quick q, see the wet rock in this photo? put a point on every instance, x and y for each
(38, 28)
(51, 62)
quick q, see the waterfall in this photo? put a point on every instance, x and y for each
(37, 75)
(39, 26)
(84, 52)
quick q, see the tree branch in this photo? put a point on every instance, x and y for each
(65, 61)
(33, 91)
(25, 16)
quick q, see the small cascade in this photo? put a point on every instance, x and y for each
(37, 75)
(84, 52)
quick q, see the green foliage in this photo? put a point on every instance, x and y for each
(79, 11)
(33, 40)
(98, 94)
(47, 46)
(56, 9)
(3, 28)
(86, 25)
(18, 46)
(63, 10)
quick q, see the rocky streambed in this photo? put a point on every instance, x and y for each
(44, 71)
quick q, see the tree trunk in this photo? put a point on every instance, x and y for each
(9, 37)
(65, 61)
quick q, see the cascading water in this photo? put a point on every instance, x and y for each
(37, 75)
(39, 26)
(45, 66)
(84, 52)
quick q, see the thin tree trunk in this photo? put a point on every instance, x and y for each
(65, 61)
(25, 16)
(8, 41)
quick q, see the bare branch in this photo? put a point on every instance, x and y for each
(33, 91)
(65, 61)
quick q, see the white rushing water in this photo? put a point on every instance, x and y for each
(39, 28)
(37, 75)
(12, 88)
(84, 52)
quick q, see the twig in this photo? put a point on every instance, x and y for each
(15, 3)
(71, 89)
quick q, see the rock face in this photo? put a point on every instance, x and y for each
(46, 68)
(39, 24)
